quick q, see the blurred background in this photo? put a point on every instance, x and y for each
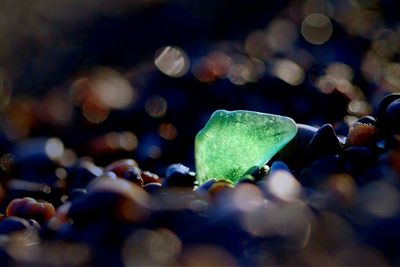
(139, 78)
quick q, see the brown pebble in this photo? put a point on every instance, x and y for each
(29, 208)
(361, 134)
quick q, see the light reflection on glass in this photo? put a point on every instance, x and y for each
(172, 61)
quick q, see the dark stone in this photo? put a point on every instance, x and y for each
(361, 157)
(13, 224)
(323, 143)
(383, 104)
(77, 193)
(133, 175)
(293, 154)
(179, 175)
(152, 187)
(367, 120)
(278, 165)
(321, 169)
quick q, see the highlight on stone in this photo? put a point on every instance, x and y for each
(234, 143)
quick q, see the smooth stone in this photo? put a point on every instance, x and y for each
(324, 143)
(361, 134)
(179, 179)
(367, 120)
(234, 143)
(392, 117)
(361, 158)
(152, 187)
(293, 154)
(205, 187)
(321, 169)
(177, 167)
(278, 165)
(383, 104)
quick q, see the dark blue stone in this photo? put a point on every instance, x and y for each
(152, 187)
(13, 224)
(178, 175)
(324, 143)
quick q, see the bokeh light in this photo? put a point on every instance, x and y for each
(281, 35)
(156, 106)
(167, 131)
(111, 88)
(172, 61)
(380, 199)
(247, 197)
(207, 255)
(283, 185)
(145, 247)
(288, 71)
(316, 28)
(54, 148)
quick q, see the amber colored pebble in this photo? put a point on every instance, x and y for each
(29, 208)
(149, 177)
(361, 134)
(220, 186)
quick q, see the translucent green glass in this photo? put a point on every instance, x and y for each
(233, 143)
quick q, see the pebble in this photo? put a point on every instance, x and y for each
(323, 143)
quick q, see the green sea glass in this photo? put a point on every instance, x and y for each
(233, 143)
